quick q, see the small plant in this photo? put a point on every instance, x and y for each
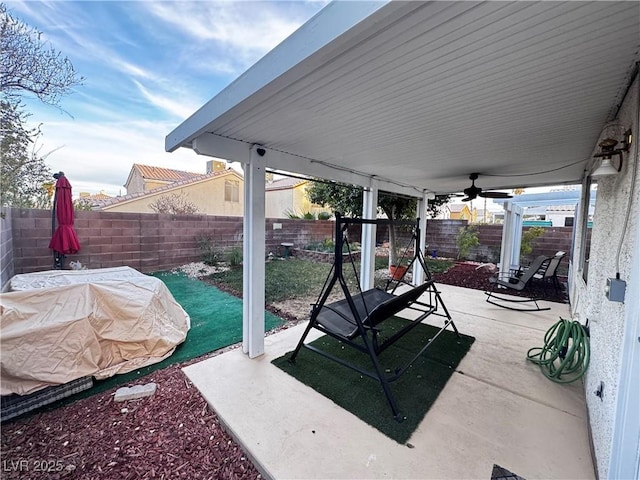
(466, 239)
(528, 240)
(209, 253)
(308, 216)
(324, 215)
(235, 256)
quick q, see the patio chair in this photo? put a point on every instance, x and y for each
(518, 283)
(550, 273)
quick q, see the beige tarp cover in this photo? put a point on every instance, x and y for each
(59, 326)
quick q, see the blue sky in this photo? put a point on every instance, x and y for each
(147, 65)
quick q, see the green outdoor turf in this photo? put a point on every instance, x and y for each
(414, 392)
(216, 322)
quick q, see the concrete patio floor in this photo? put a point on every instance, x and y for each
(496, 409)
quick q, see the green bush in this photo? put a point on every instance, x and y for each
(209, 253)
(235, 256)
(327, 245)
(529, 239)
(466, 239)
(324, 215)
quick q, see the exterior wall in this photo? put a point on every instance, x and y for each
(606, 318)
(278, 203)
(557, 219)
(207, 195)
(6, 248)
(289, 200)
(151, 184)
(136, 183)
(146, 242)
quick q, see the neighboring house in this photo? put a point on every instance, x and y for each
(92, 200)
(484, 215)
(461, 211)
(143, 178)
(563, 215)
(286, 197)
(219, 192)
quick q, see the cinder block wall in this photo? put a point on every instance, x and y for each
(153, 242)
(6, 248)
(146, 242)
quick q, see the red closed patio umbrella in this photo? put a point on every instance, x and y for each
(64, 239)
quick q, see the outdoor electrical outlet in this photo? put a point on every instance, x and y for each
(615, 289)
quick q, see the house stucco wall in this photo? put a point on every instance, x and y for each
(207, 195)
(278, 203)
(607, 319)
(135, 183)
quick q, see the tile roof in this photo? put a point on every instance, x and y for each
(149, 172)
(284, 183)
(94, 196)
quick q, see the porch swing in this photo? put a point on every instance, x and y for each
(357, 320)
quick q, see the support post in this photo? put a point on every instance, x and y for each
(368, 240)
(253, 268)
(421, 213)
(511, 236)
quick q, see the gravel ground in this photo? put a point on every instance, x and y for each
(172, 434)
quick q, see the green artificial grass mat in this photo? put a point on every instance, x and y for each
(216, 322)
(415, 391)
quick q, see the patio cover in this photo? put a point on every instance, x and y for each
(61, 326)
(412, 97)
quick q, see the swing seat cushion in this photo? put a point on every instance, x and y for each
(338, 318)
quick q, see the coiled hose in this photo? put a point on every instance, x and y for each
(564, 358)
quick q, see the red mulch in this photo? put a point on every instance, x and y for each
(472, 275)
(172, 434)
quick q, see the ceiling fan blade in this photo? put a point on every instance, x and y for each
(496, 195)
(466, 199)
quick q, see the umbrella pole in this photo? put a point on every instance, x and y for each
(58, 258)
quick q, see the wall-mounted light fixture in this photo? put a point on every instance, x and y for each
(608, 150)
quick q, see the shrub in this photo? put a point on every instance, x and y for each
(327, 245)
(308, 216)
(209, 253)
(466, 239)
(324, 215)
(528, 240)
(235, 256)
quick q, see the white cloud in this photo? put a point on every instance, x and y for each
(99, 156)
(249, 29)
(148, 66)
(176, 107)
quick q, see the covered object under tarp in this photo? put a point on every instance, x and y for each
(59, 326)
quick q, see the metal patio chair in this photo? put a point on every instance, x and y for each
(549, 274)
(498, 294)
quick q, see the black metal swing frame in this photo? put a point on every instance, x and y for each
(356, 317)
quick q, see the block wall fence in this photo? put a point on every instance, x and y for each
(155, 242)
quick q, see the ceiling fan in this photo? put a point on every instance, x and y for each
(473, 192)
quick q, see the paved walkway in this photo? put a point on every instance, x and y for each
(497, 409)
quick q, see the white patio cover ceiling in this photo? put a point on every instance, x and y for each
(425, 93)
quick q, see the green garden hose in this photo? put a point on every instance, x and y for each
(565, 352)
